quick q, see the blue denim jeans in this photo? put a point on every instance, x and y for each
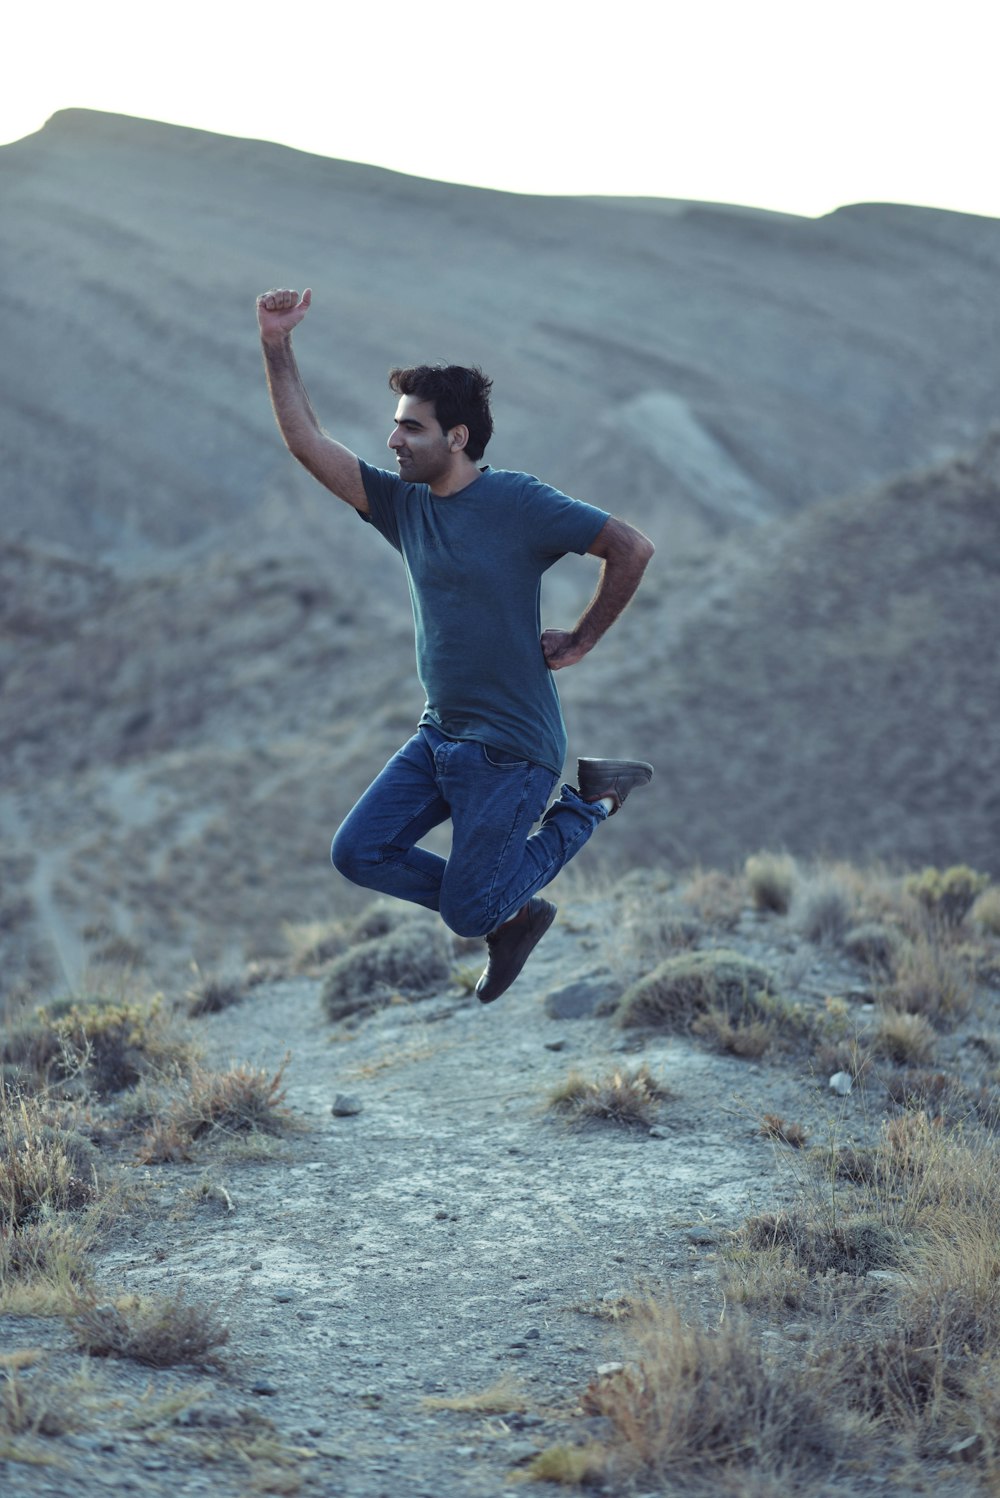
(493, 800)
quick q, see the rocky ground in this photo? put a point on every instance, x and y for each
(431, 1231)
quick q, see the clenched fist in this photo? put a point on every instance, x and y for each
(279, 311)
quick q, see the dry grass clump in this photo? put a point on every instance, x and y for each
(744, 1036)
(771, 880)
(717, 899)
(242, 1101)
(689, 984)
(628, 1097)
(947, 895)
(43, 1170)
(107, 1044)
(33, 1404)
(905, 1039)
(773, 1126)
(213, 993)
(505, 1397)
(158, 1332)
(826, 906)
(821, 1244)
(876, 945)
(928, 978)
(708, 1405)
(411, 959)
(985, 912)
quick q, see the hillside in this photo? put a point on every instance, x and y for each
(204, 658)
(690, 365)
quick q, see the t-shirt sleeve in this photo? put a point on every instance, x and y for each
(556, 523)
(382, 492)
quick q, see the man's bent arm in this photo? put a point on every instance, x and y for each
(624, 554)
(278, 312)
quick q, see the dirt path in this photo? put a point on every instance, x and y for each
(442, 1237)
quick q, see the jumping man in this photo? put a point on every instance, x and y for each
(490, 744)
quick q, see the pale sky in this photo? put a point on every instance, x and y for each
(796, 105)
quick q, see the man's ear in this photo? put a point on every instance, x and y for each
(458, 438)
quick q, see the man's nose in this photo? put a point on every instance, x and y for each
(395, 440)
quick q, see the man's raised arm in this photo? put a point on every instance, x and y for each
(278, 312)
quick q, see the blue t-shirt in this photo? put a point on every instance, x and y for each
(474, 563)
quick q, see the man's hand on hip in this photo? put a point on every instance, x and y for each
(279, 311)
(560, 648)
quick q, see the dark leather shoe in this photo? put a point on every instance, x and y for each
(510, 946)
(611, 777)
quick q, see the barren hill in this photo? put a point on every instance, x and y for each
(693, 366)
(204, 658)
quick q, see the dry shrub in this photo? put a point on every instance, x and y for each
(875, 945)
(821, 1244)
(244, 1100)
(771, 879)
(716, 898)
(745, 1037)
(505, 1397)
(108, 1043)
(825, 906)
(708, 1403)
(158, 1332)
(985, 913)
(411, 959)
(772, 1126)
(947, 895)
(631, 1098)
(928, 979)
(37, 1404)
(649, 929)
(42, 1169)
(212, 993)
(570, 1466)
(689, 984)
(904, 1039)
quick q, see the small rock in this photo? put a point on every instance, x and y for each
(605, 1370)
(518, 1452)
(346, 1106)
(306, 1316)
(556, 1045)
(532, 1334)
(841, 1083)
(701, 1237)
(658, 1131)
(579, 999)
(264, 1387)
(256, 1263)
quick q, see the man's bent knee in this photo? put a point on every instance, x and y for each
(351, 858)
(464, 919)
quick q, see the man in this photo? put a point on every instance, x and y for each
(490, 744)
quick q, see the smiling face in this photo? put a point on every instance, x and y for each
(424, 452)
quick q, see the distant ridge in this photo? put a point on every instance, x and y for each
(204, 657)
(809, 357)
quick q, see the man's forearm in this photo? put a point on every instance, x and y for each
(624, 554)
(620, 577)
(292, 407)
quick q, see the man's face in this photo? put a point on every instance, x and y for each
(421, 447)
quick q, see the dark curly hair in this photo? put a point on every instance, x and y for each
(460, 396)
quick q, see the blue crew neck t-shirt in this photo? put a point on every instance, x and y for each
(474, 563)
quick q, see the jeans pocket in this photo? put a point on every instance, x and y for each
(500, 759)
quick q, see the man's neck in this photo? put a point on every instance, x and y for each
(460, 475)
